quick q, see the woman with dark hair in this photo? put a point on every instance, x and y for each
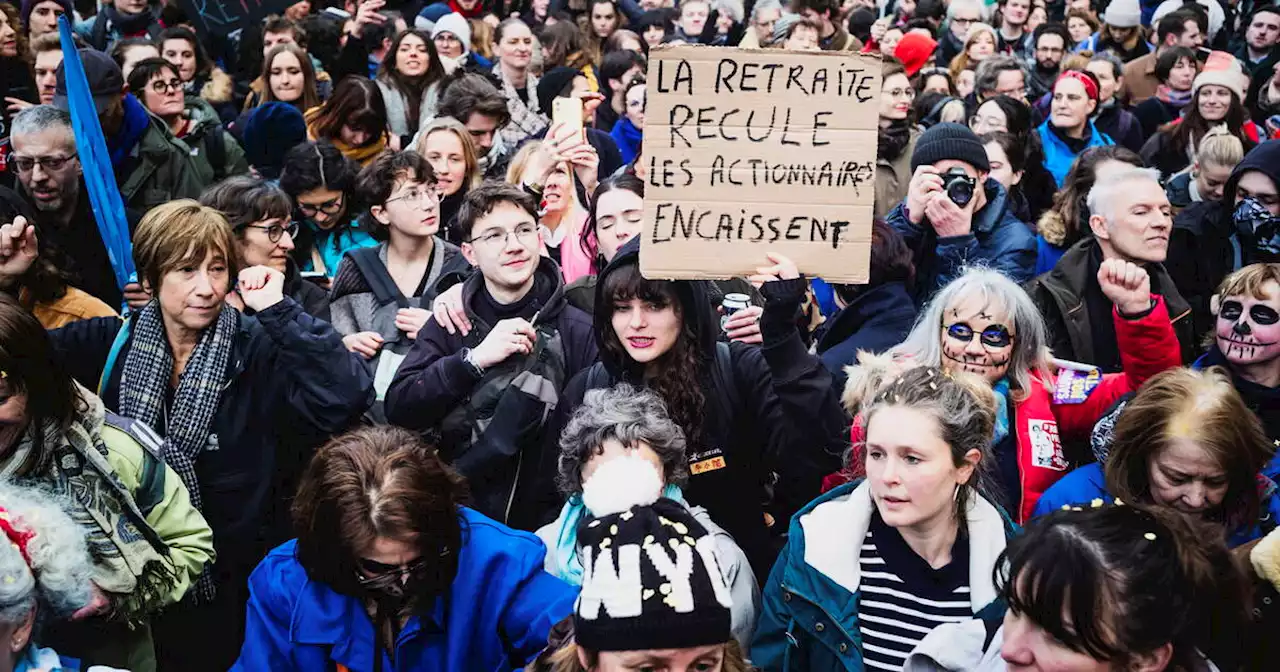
(409, 79)
(562, 45)
(1008, 167)
(1103, 588)
(389, 566)
(1068, 220)
(354, 120)
(321, 182)
(1009, 115)
(654, 26)
(601, 20)
(934, 79)
(896, 139)
(261, 216)
(149, 543)
(882, 561)
(1069, 130)
(288, 76)
(628, 132)
(513, 44)
(1175, 69)
(1217, 101)
(15, 67)
(1187, 442)
(616, 215)
(200, 76)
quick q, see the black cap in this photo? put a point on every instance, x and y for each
(106, 83)
(949, 141)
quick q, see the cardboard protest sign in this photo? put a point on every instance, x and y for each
(223, 17)
(750, 151)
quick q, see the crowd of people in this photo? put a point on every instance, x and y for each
(387, 389)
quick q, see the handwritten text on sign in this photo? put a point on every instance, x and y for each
(756, 151)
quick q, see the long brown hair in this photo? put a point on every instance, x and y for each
(377, 482)
(1187, 132)
(411, 87)
(310, 98)
(1206, 404)
(357, 103)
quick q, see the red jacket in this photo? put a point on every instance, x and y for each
(1148, 346)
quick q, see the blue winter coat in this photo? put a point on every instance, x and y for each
(1058, 157)
(1088, 483)
(809, 619)
(496, 615)
(998, 239)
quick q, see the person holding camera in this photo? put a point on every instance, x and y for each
(955, 214)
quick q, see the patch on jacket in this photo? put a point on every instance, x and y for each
(701, 463)
(1046, 449)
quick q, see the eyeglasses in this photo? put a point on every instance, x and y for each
(908, 93)
(376, 575)
(525, 234)
(447, 38)
(963, 22)
(423, 197)
(276, 231)
(26, 164)
(328, 207)
(993, 337)
(160, 86)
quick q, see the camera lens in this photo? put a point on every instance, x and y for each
(960, 191)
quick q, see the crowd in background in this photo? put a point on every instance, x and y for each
(387, 389)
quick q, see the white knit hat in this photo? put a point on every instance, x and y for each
(1123, 14)
(456, 24)
(1223, 70)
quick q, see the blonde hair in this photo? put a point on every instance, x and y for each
(180, 232)
(520, 164)
(482, 38)
(1249, 280)
(961, 60)
(565, 659)
(451, 125)
(1220, 148)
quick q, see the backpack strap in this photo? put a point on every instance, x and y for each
(597, 377)
(726, 384)
(150, 491)
(117, 345)
(375, 273)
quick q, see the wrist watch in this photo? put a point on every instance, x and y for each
(467, 359)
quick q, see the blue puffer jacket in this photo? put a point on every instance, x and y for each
(809, 619)
(496, 615)
(1088, 483)
(1058, 157)
(998, 239)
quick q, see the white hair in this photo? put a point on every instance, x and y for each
(1101, 198)
(764, 5)
(60, 569)
(973, 4)
(733, 8)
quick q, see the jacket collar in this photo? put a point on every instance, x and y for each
(884, 301)
(324, 617)
(834, 526)
(1076, 269)
(992, 213)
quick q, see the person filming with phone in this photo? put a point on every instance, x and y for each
(956, 214)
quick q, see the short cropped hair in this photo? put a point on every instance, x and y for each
(180, 232)
(1103, 193)
(483, 199)
(144, 70)
(465, 93)
(987, 76)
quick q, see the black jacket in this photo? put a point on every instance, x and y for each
(1121, 126)
(785, 415)
(875, 321)
(433, 380)
(1070, 299)
(291, 384)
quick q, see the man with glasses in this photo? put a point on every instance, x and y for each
(961, 15)
(49, 179)
(763, 16)
(488, 394)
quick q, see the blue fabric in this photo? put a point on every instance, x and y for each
(36, 659)
(566, 526)
(997, 239)
(1047, 255)
(334, 244)
(1002, 410)
(136, 120)
(496, 614)
(875, 321)
(628, 138)
(1088, 483)
(826, 296)
(1058, 157)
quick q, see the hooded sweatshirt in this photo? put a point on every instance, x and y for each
(774, 410)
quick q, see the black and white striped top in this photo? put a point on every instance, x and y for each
(903, 598)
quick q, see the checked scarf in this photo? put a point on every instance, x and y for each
(144, 385)
(131, 562)
(527, 118)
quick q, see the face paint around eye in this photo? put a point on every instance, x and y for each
(1230, 310)
(1264, 315)
(1248, 331)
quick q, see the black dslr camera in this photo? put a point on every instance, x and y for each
(959, 186)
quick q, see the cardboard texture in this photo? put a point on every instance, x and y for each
(751, 151)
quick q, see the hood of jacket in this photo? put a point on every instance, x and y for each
(546, 275)
(1265, 159)
(695, 306)
(876, 304)
(991, 214)
(219, 88)
(202, 116)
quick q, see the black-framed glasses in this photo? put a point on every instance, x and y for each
(26, 164)
(376, 575)
(328, 207)
(994, 336)
(524, 233)
(276, 231)
(162, 87)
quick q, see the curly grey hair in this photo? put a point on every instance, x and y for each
(59, 575)
(625, 413)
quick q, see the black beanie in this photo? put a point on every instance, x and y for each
(554, 83)
(949, 141)
(650, 577)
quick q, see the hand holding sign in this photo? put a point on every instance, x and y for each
(782, 268)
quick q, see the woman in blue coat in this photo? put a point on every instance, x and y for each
(873, 566)
(390, 573)
(1069, 131)
(1188, 442)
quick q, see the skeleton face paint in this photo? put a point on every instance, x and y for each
(1248, 328)
(977, 338)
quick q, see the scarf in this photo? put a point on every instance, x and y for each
(1002, 410)
(144, 386)
(131, 563)
(135, 124)
(1178, 99)
(627, 137)
(473, 13)
(892, 140)
(527, 119)
(129, 25)
(568, 564)
(361, 155)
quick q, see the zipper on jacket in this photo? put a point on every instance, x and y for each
(514, 483)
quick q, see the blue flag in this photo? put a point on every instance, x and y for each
(99, 176)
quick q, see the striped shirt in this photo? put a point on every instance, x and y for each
(903, 598)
